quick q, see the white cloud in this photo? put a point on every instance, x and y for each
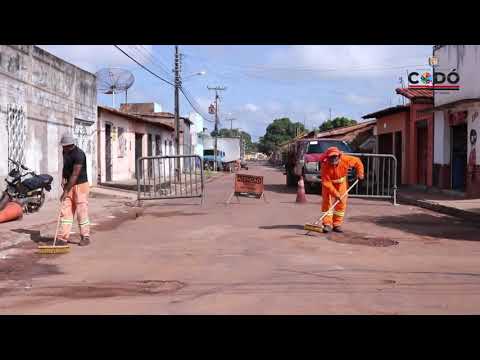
(94, 57)
(344, 61)
(251, 107)
(356, 99)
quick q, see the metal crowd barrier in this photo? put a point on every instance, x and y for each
(380, 180)
(170, 177)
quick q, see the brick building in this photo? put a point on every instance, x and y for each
(406, 131)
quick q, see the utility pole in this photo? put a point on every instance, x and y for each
(330, 111)
(217, 89)
(178, 83)
(231, 122)
(403, 86)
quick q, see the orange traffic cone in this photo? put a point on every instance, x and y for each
(301, 192)
(12, 211)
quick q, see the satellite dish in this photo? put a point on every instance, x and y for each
(113, 81)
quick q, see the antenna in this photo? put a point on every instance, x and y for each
(113, 81)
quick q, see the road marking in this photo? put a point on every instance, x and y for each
(111, 217)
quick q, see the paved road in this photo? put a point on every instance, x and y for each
(253, 258)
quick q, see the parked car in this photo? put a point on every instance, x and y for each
(310, 170)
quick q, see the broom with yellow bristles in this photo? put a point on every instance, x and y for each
(317, 226)
(47, 249)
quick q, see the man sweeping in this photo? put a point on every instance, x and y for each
(334, 174)
(75, 192)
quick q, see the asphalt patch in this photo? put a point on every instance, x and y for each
(359, 239)
(103, 290)
(26, 267)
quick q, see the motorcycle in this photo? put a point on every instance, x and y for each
(26, 188)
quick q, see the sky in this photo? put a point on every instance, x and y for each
(303, 82)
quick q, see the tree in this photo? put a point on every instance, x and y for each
(336, 123)
(278, 132)
(249, 146)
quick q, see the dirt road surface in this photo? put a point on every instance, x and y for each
(177, 257)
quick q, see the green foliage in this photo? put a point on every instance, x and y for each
(278, 132)
(336, 123)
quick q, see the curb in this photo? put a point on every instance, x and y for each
(462, 214)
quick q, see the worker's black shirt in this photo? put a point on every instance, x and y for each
(75, 157)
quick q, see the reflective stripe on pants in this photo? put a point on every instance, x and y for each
(76, 203)
(334, 218)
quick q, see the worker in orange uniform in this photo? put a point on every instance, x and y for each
(334, 173)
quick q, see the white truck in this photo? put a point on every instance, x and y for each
(232, 148)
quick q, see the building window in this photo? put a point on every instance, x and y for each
(16, 133)
(170, 148)
(158, 145)
(122, 142)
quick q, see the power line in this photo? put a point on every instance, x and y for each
(155, 61)
(143, 66)
(182, 89)
(307, 68)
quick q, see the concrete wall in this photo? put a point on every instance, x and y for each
(196, 130)
(412, 160)
(123, 164)
(466, 60)
(54, 96)
(391, 124)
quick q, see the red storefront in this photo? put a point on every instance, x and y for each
(406, 131)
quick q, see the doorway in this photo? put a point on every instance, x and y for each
(385, 143)
(459, 157)
(422, 152)
(108, 152)
(138, 153)
(398, 155)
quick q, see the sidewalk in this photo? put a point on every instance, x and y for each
(467, 209)
(101, 202)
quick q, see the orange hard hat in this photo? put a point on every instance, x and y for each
(333, 151)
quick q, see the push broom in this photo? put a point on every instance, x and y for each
(317, 226)
(54, 249)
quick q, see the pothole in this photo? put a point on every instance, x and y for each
(358, 239)
(103, 290)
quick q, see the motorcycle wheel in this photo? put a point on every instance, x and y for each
(34, 207)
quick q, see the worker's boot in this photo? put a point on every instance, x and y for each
(61, 242)
(338, 229)
(84, 241)
(327, 228)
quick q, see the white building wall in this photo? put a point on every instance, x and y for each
(123, 165)
(474, 126)
(196, 130)
(465, 59)
(52, 94)
(441, 140)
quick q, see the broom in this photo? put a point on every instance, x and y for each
(54, 249)
(318, 228)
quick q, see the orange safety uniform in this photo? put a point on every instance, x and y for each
(335, 184)
(76, 203)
